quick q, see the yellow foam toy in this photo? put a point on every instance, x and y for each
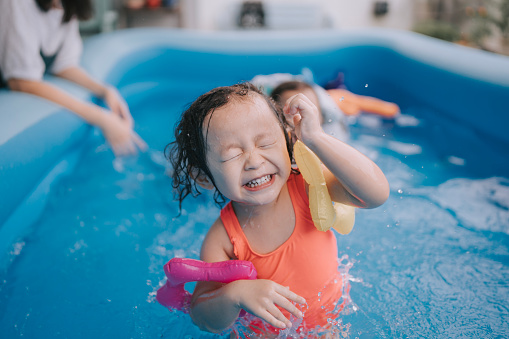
(325, 214)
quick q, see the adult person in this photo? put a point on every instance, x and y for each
(42, 36)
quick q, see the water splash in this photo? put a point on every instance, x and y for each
(335, 328)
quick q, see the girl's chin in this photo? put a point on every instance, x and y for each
(268, 197)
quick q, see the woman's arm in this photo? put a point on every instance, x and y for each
(110, 95)
(216, 306)
(117, 131)
(352, 178)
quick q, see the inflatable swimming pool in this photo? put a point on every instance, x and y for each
(83, 255)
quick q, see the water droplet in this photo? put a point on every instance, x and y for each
(342, 99)
(400, 191)
(366, 85)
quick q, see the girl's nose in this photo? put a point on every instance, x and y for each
(254, 160)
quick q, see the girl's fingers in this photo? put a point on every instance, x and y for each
(285, 292)
(279, 319)
(268, 317)
(296, 119)
(289, 306)
(305, 99)
(297, 104)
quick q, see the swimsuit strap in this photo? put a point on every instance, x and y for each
(232, 227)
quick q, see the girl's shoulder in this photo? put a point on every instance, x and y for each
(217, 243)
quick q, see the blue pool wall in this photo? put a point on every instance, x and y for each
(39, 141)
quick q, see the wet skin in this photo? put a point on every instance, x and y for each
(247, 152)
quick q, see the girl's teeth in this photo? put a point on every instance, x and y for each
(257, 182)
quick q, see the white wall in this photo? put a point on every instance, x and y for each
(221, 14)
(359, 13)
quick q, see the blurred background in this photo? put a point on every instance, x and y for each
(482, 24)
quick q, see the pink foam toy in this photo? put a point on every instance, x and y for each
(181, 270)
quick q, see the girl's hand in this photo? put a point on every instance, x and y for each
(120, 135)
(260, 297)
(118, 105)
(305, 116)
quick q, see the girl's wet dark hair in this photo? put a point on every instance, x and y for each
(188, 152)
(83, 9)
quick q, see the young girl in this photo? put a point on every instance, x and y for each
(233, 140)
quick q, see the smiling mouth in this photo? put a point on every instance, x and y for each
(260, 182)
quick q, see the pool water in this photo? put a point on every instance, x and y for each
(433, 261)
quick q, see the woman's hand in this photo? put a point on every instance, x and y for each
(118, 105)
(305, 116)
(260, 297)
(120, 135)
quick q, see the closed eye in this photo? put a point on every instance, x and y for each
(267, 145)
(232, 158)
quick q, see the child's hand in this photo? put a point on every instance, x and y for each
(260, 297)
(305, 117)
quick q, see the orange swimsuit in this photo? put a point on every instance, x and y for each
(306, 262)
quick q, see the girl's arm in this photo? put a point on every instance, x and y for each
(352, 178)
(216, 306)
(116, 130)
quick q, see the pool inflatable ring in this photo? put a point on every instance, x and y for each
(182, 270)
(324, 212)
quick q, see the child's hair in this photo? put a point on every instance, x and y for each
(293, 85)
(188, 151)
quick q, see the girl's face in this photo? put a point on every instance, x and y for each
(247, 152)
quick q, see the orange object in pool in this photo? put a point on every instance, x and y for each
(353, 104)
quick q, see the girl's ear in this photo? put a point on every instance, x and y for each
(201, 179)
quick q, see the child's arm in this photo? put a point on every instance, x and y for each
(215, 306)
(353, 104)
(351, 177)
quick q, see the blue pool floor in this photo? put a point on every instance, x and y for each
(433, 261)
